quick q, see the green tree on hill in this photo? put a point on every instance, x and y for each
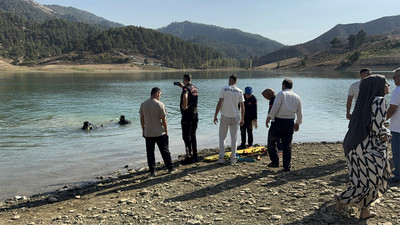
(356, 41)
(336, 43)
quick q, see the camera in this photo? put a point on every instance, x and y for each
(176, 83)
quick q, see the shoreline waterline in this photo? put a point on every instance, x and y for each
(125, 170)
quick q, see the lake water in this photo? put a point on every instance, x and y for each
(42, 147)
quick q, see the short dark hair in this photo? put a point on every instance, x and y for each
(363, 70)
(287, 83)
(187, 76)
(155, 90)
(233, 77)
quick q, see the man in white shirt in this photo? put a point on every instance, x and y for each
(354, 89)
(286, 107)
(394, 115)
(229, 100)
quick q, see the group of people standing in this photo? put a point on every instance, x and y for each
(365, 143)
(238, 109)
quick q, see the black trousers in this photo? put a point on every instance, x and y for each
(281, 129)
(247, 127)
(189, 137)
(162, 143)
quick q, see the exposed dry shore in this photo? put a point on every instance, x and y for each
(88, 68)
(209, 193)
(290, 64)
(94, 68)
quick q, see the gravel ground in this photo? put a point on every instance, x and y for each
(209, 193)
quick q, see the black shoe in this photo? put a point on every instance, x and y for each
(273, 165)
(286, 169)
(187, 160)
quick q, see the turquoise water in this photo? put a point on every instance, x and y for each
(43, 148)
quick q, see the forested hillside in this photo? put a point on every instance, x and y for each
(28, 10)
(27, 42)
(232, 43)
(172, 51)
(33, 11)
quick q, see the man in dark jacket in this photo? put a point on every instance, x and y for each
(190, 118)
(250, 117)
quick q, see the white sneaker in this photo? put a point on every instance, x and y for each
(221, 161)
(233, 161)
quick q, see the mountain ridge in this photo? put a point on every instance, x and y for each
(383, 25)
(232, 37)
(34, 11)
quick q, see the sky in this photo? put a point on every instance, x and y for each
(289, 22)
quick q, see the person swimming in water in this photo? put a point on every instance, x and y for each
(88, 126)
(123, 121)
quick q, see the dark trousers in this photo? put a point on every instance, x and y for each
(247, 127)
(162, 143)
(189, 137)
(281, 129)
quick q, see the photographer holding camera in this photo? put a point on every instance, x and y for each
(190, 118)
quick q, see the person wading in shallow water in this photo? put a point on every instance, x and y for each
(88, 126)
(123, 120)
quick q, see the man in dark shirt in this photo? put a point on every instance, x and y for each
(250, 117)
(190, 118)
(269, 94)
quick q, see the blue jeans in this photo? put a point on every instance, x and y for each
(396, 153)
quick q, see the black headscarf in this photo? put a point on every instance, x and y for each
(360, 121)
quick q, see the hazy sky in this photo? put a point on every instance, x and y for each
(287, 21)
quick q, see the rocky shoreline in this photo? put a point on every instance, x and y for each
(209, 193)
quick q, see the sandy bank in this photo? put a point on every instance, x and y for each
(209, 193)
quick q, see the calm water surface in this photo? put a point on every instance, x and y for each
(43, 148)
